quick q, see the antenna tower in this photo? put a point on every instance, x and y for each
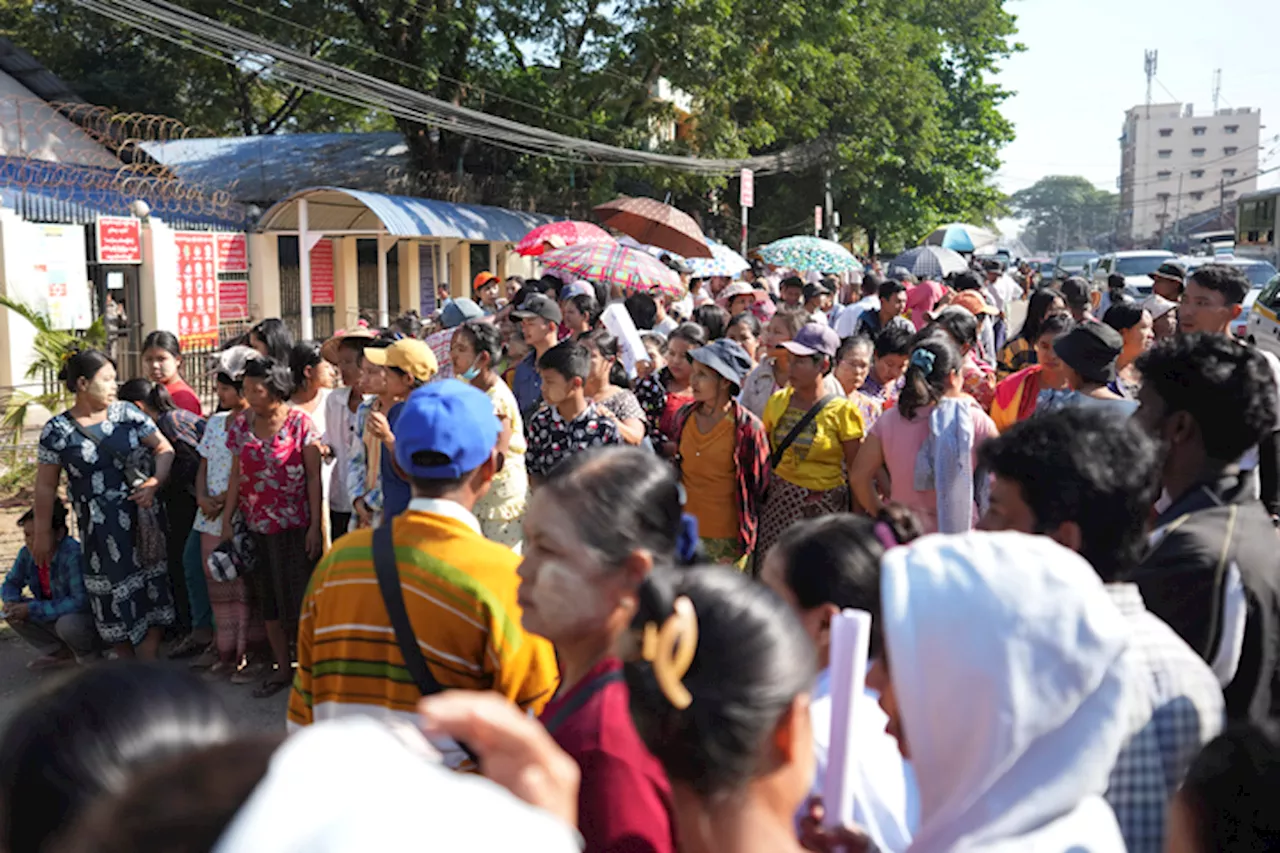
(1149, 66)
(1217, 88)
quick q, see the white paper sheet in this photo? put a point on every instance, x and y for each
(619, 323)
(850, 641)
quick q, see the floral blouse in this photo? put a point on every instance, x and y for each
(273, 478)
(217, 475)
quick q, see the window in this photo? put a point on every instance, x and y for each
(1164, 176)
(1165, 154)
(1197, 173)
(1166, 131)
(1231, 128)
(1197, 152)
(1198, 131)
(1228, 173)
(1197, 196)
(1229, 150)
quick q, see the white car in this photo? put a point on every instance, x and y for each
(1259, 273)
(1263, 329)
(1135, 266)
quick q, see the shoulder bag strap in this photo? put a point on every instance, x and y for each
(384, 566)
(799, 428)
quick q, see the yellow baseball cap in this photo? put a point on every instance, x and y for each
(411, 355)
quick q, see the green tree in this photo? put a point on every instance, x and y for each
(1064, 212)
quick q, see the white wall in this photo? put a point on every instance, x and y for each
(29, 127)
(159, 277)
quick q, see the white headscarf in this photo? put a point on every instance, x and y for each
(355, 785)
(1006, 658)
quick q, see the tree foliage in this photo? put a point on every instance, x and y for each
(1064, 212)
(900, 91)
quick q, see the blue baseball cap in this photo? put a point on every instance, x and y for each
(452, 422)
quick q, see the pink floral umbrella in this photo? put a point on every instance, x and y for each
(558, 235)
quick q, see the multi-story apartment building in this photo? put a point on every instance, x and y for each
(1174, 163)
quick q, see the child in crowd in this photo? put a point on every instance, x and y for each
(408, 364)
(344, 350)
(567, 423)
(55, 617)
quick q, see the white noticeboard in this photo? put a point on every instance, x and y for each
(619, 323)
(60, 276)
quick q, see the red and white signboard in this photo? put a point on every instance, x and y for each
(233, 253)
(233, 300)
(197, 289)
(322, 286)
(119, 240)
(817, 221)
(747, 189)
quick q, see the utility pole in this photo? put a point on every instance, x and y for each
(827, 205)
(1222, 201)
(1177, 216)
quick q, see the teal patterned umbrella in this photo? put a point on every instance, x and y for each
(809, 254)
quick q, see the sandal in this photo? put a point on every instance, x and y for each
(188, 647)
(249, 673)
(270, 687)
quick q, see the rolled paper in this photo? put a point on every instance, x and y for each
(850, 643)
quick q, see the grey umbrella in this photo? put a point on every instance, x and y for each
(933, 262)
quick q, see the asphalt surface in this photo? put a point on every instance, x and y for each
(17, 682)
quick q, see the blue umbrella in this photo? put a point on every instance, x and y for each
(809, 254)
(932, 262)
(960, 237)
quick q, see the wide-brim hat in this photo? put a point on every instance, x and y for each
(330, 348)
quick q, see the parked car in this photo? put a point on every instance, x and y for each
(1073, 263)
(1262, 328)
(1259, 273)
(1135, 266)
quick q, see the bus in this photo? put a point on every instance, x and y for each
(1257, 225)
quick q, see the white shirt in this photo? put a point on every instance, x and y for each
(448, 509)
(1003, 291)
(887, 805)
(847, 322)
(337, 427)
(666, 326)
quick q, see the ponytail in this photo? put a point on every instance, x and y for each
(932, 361)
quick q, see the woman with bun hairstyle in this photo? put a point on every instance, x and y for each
(603, 521)
(927, 442)
(116, 461)
(720, 676)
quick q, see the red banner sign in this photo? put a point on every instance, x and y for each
(747, 188)
(233, 253)
(322, 287)
(233, 300)
(119, 240)
(197, 289)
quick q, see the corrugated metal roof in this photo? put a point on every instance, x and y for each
(332, 209)
(264, 169)
(28, 71)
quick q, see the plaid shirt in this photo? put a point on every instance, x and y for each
(751, 468)
(1175, 708)
(66, 583)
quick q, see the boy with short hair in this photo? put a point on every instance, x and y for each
(569, 423)
(55, 618)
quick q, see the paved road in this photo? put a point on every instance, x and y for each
(16, 682)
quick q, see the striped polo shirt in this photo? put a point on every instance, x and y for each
(460, 593)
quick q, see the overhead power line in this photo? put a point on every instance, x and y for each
(243, 49)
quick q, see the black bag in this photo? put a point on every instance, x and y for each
(384, 566)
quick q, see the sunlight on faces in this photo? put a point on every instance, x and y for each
(1139, 337)
(257, 395)
(574, 319)
(705, 383)
(564, 592)
(853, 370)
(894, 305)
(600, 366)
(373, 377)
(462, 354)
(536, 330)
(889, 368)
(740, 334)
(488, 293)
(776, 334)
(1205, 310)
(102, 388)
(349, 366)
(399, 383)
(160, 365)
(741, 304)
(678, 361)
(556, 388)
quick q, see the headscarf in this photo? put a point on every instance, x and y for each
(1008, 662)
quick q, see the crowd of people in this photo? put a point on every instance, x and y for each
(590, 546)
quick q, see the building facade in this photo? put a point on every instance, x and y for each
(1174, 163)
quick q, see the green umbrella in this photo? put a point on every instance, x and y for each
(806, 254)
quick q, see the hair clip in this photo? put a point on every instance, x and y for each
(924, 359)
(670, 650)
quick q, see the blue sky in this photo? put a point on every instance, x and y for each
(1083, 68)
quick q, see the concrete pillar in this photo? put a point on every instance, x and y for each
(460, 269)
(158, 278)
(264, 276)
(346, 309)
(407, 258)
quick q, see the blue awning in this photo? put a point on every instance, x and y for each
(335, 210)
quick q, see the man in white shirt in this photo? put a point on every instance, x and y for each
(847, 323)
(1003, 290)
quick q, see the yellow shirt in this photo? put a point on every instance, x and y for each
(709, 472)
(815, 460)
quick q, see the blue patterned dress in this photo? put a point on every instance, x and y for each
(127, 599)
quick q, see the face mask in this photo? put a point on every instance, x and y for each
(471, 373)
